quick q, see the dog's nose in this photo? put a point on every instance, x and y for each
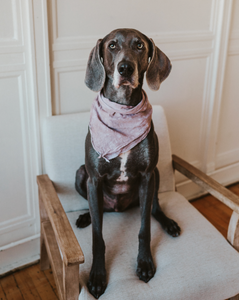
(125, 69)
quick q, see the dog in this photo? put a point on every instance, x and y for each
(116, 68)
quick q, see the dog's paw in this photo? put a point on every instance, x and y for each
(97, 283)
(145, 269)
(171, 227)
(83, 220)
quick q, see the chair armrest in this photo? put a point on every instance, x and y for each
(207, 183)
(66, 239)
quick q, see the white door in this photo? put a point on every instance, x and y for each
(19, 137)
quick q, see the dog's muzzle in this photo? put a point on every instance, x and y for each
(125, 74)
(125, 69)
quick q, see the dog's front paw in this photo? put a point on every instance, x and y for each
(97, 283)
(83, 220)
(145, 269)
(171, 227)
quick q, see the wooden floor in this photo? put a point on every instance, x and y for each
(33, 284)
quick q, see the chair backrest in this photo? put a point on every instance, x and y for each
(64, 152)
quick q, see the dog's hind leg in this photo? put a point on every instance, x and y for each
(81, 180)
(81, 187)
(169, 225)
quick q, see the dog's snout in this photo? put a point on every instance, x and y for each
(125, 69)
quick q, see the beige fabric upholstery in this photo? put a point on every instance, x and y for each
(64, 152)
(198, 265)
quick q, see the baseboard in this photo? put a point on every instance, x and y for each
(225, 176)
(227, 158)
(18, 256)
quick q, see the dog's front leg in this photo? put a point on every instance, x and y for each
(145, 268)
(97, 280)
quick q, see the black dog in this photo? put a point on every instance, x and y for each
(116, 67)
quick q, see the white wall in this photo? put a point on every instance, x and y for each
(42, 75)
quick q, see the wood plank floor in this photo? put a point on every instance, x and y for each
(33, 284)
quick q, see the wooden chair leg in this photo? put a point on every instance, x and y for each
(234, 298)
(44, 259)
(233, 231)
(71, 288)
(233, 237)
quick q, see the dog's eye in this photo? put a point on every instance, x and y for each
(112, 46)
(140, 46)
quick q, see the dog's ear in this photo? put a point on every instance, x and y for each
(158, 68)
(95, 71)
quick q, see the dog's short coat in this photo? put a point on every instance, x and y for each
(116, 67)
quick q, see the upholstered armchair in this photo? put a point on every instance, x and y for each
(198, 265)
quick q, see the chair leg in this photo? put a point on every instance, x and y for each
(234, 298)
(44, 260)
(71, 288)
(233, 231)
(233, 237)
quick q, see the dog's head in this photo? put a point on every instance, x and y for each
(123, 56)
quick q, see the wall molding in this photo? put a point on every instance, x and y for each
(233, 48)
(18, 231)
(81, 42)
(20, 242)
(16, 39)
(27, 219)
(214, 83)
(15, 256)
(16, 223)
(63, 67)
(183, 54)
(87, 42)
(11, 49)
(227, 158)
(26, 141)
(42, 54)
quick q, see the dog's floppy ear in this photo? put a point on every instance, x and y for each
(95, 71)
(158, 68)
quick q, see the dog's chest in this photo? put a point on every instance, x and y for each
(118, 193)
(123, 171)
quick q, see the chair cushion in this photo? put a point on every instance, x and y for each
(64, 152)
(199, 264)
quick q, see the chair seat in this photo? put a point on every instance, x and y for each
(198, 265)
(70, 199)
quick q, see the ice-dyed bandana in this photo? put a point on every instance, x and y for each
(117, 128)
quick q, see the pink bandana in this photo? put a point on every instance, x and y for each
(117, 128)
